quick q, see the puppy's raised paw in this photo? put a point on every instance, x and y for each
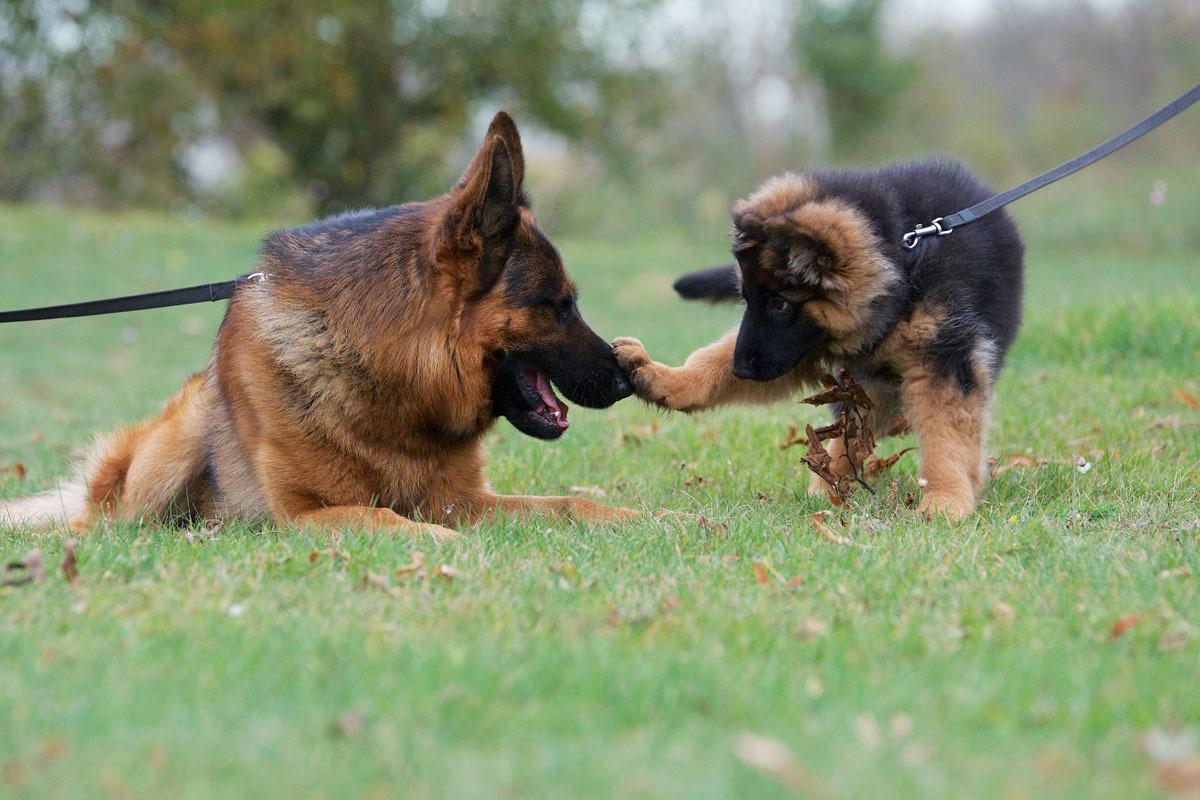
(667, 387)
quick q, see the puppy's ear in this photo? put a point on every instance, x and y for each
(485, 206)
(808, 259)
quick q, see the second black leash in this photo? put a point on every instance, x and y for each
(943, 226)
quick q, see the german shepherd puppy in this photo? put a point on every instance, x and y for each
(353, 385)
(827, 283)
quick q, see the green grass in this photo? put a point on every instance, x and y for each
(568, 661)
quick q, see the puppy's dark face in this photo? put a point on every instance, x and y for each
(811, 270)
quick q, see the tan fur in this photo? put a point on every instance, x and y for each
(705, 380)
(836, 286)
(357, 400)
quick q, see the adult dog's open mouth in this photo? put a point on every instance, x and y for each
(525, 397)
(549, 409)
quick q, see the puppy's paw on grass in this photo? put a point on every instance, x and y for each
(952, 506)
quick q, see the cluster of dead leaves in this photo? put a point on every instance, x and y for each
(415, 570)
(32, 568)
(856, 437)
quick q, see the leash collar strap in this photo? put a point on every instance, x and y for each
(946, 225)
(207, 292)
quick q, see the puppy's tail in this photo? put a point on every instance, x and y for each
(714, 285)
(51, 509)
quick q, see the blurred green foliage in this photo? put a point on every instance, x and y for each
(355, 101)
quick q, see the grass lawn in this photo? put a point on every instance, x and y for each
(975, 660)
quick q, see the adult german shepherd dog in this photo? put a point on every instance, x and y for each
(827, 283)
(353, 385)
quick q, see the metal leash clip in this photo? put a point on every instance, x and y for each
(921, 231)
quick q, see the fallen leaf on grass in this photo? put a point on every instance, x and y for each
(1179, 777)
(28, 570)
(760, 573)
(773, 758)
(850, 427)
(1123, 624)
(1171, 640)
(827, 532)
(811, 628)
(347, 725)
(418, 561)
(1178, 572)
(637, 433)
(876, 466)
(70, 569)
(17, 471)
(373, 580)
(1187, 398)
(1003, 612)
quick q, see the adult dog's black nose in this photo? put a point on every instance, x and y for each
(620, 385)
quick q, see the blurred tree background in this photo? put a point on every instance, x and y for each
(635, 112)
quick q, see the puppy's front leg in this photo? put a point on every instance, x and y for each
(705, 380)
(951, 426)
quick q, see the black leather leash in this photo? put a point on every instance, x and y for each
(943, 226)
(204, 293)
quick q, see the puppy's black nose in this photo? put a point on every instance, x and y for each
(744, 368)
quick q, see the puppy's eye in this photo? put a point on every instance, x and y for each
(778, 305)
(563, 310)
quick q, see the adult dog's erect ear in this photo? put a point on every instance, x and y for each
(485, 208)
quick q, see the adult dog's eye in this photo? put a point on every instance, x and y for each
(778, 305)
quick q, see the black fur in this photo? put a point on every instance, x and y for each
(714, 285)
(974, 275)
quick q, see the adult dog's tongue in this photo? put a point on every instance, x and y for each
(554, 408)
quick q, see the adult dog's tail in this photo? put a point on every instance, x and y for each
(145, 469)
(51, 509)
(714, 285)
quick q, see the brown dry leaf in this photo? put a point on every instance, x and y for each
(588, 491)
(876, 466)
(373, 580)
(28, 570)
(1003, 612)
(794, 581)
(637, 433)
(1187, 398)
(1171, 640)
(811, 628)
(760, 573)
(1123, 624)
(773, 758)
(418, 561)
(312, 557)
(1178, 572)
(1179, 777)
(827, 532)
(448, 572)
(17, 471)
(347, 725)
(70, 569)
